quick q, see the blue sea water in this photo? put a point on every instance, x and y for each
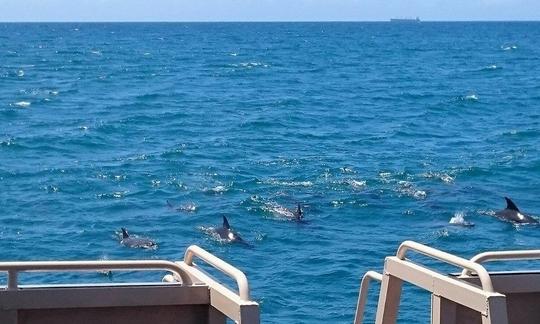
(382, 131)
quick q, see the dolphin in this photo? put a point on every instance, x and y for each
(512, 214)
(296, 215)
(226, 233)
(136, 242)
(299, 213)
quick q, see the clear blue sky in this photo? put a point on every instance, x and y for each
(265, 10)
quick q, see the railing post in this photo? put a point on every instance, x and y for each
(215, 316)
(362, 295)
(443, 311)
(496, 311)
(249, 314)
(389, 297)
(12, 279)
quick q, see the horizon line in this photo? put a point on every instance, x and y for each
(259, 21)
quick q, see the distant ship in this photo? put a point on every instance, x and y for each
(405, 20)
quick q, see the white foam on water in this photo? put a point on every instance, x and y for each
(385, 176)
(347, 170)
(211, 232)
(7, 142)
(458, 218)
(23, 104)
(406, 188)
(508, 47)
(471, 97)
(280, 210)
(337, 203)
(118, 194)
(289, 183)
(250, 65)
(189, 207)
(444, 177)
(420, 194)
(115, 195)
(219, 189)
(356, 184)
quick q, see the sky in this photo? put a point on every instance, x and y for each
(266, 10)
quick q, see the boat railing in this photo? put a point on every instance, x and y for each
(239, 276)
(362, 297)
(467, 265)
(502, 256)
(14, 268)
(187, 287)
(235, 306)
(446, 291)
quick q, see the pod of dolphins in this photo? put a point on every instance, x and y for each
(225, 233)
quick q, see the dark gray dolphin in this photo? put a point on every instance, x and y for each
(512, 214)
(299, 213)
(226, 233)
(137, 242)
(295, 215)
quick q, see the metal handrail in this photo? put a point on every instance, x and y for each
(482, 273)
(362, 298)
(503, 255)
(239, 276)
(13, 268)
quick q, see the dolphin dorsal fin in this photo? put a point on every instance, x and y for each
(299, 210)
(124, 233)
(510, 204)
(226, 223)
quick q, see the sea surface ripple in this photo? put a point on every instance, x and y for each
(384, 132)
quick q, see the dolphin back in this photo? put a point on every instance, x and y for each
(510, 204)
(226, 223)
(513, 214)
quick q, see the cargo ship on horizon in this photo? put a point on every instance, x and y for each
(405, 20)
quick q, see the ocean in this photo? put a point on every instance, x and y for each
(383, 132)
